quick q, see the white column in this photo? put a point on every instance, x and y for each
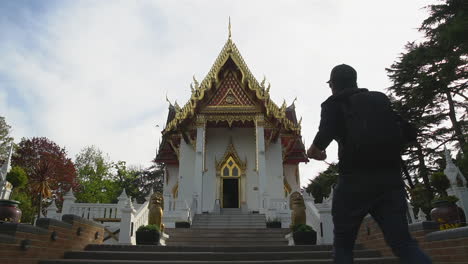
(122, 201)
(127, 234)
(261, 163)
(199, 162)
(325, 232)
(68, 200)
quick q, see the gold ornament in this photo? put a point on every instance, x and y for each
(297, 205)
(156, 207)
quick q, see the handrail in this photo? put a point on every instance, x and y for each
(91, 211)
(141, 216)
(312, 216)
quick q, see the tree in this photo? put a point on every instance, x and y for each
(149, 179)
(17, 177)
(321, 185)
(51, 173)
(440, 182)
(96, 182)
(429, 89)
(5, 140)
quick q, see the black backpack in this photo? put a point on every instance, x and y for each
(373, 133)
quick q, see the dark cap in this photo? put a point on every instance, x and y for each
(343, 72)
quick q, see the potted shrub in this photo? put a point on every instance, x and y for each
(182, 224)
(148, 235)
(304, 235)
(275, 223)
(446, 212)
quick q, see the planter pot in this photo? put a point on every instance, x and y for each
(9, 211)
(273, 224)
(147, 237)
(305, 238)
(182, 225)
(448, 215)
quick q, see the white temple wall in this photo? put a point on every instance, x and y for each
(186, 171)
(170, 179)
(274, 167)
(290, 171)
(217, 141)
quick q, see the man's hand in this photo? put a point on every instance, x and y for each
(316, 153)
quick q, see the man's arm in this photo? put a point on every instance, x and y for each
(328, 131)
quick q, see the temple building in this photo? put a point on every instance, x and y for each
(230, 145)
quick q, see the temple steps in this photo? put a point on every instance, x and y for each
(104, 254)
(232, 218)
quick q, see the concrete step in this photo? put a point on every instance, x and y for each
(210, 256)
(228, 231)
(229, 244)
(227, 226)
(224, 235)
(221, 240)
(148, 248)
(306, 261)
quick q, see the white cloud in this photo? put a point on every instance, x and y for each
(97, 72)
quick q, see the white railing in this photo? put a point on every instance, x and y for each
(319, 217)
(93, 211)
(312, 216)
(141, 216)
(278, 204)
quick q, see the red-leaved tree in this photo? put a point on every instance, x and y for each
(51, 173)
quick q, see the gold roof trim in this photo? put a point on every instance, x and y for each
(262, 93)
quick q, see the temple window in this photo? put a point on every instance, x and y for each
(230, 168)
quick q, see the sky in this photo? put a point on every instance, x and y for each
(97, 73)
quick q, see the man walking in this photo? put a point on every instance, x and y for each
(370, 137)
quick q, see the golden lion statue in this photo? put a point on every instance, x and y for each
(156, 206)
(296, 203)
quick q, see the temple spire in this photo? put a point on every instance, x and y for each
(229, 27)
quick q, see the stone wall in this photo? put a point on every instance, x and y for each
(49, 239)
(448, 246)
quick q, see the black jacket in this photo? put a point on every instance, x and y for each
(332, 127)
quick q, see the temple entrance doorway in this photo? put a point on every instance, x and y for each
(230, 193)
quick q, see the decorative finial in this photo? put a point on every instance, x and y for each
(167, 99)
(229, 27)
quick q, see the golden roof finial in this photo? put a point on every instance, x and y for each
(229, 27)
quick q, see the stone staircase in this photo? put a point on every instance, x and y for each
(231, 237)
(229, 218)
(110, 254)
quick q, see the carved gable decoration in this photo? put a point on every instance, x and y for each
(231, 153)
(230, 93)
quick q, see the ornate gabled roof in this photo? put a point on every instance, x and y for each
(261, 92)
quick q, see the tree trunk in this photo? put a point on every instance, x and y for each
(40, 206)
(423, 171)
(455, 124)
(406, 173)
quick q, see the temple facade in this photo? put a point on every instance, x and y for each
(230, 145)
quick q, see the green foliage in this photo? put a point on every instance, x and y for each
(444, 198)
(102, 180)
(420, 198)
(440, 182)
(429, 89)
(96, 183)
(321, 185)
(5, 140)
(273, 220)
(17, 177)
(148, 228)
(28, 209)
(302, 228)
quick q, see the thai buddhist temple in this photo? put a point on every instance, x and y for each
(230, 145)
